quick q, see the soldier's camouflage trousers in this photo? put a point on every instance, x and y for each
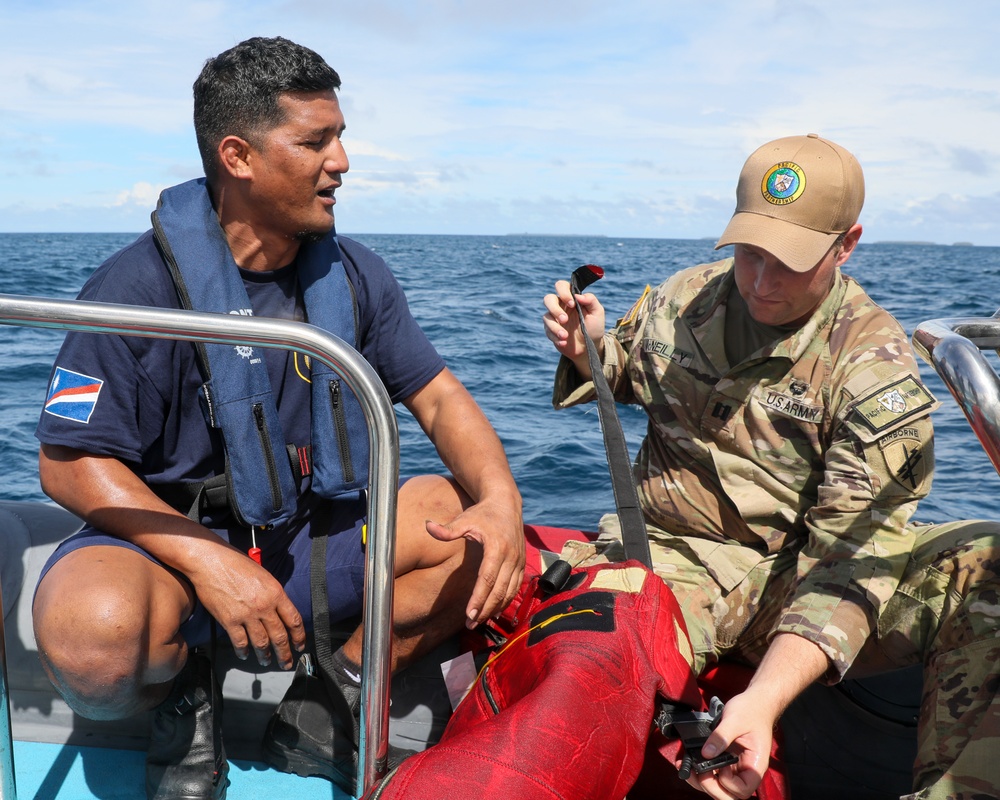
(944, 614)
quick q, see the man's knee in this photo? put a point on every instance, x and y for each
(955, 576)
(944, 543)
(422, 499)
(432, 497)
(95, 638)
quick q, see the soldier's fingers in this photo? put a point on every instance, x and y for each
(554, 332)
(553, 305)
(482, 593)
(564, 293)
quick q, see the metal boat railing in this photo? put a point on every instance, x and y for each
(383, 438)
(954, 348)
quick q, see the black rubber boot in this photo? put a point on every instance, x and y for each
(315, 733)
(186, 759)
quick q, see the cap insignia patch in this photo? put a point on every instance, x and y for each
(783, 183)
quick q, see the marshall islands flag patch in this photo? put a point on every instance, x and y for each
(72, 395)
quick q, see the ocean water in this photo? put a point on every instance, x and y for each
(479, 299)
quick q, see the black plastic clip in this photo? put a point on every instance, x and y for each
(693, 729)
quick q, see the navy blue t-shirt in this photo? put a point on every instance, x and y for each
(137, 399)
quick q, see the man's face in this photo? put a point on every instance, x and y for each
(776, 294)
(298, 165)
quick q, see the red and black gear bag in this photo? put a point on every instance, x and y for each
(565, 707)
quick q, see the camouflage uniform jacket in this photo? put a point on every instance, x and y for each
(820, 442)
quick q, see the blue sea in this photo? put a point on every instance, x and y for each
(479, 299)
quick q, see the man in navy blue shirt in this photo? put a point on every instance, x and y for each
(121, 608)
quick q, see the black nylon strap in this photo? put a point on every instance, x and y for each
(193, 499)
(619, 464)
(322, 640)
(319, 528)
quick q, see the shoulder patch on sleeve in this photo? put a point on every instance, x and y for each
(72, 395)
(902, 450)
(889, 405)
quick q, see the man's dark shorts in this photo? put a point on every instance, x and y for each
(286, 557)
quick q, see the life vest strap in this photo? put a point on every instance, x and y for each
(194, 499)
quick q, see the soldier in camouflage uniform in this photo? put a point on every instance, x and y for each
(789, 442)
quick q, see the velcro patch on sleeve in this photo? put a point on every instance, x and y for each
(888, 406)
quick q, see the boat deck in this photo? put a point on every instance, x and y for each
(46, 771)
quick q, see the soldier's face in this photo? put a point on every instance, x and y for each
(776, 294)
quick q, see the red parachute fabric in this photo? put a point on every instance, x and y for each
(725, 680)
(564, 710)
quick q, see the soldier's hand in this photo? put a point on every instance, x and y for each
(746, 733)
(562, 323)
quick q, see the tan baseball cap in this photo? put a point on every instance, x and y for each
(795, 196)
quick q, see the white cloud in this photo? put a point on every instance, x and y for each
(358, 147)
(142, 194)
(645, 108)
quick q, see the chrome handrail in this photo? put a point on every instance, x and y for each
(383, 439)
(953, 347)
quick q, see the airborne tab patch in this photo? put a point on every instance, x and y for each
(889, 405)
(903, 453)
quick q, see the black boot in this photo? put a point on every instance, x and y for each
(186, 759)
(315, 732)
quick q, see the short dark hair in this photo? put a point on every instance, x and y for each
(237, 92)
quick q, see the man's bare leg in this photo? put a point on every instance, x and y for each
(107, 623)
(434, 579)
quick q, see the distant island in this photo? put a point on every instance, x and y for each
(925, 244)
(901, 241)
(563, 235)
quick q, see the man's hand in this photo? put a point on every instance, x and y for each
(251, 606)
(790, 664)
(562, 324)
(746, 733)
(498, 529)
(245, 599)
(472, 452)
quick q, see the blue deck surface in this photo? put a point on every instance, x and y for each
(67, 772)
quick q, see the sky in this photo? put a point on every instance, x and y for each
(625, 119)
